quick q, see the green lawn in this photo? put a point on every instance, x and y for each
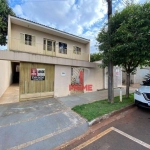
(96, 109)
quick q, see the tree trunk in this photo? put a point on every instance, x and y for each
(127, 85)
(110, 83)
(110, 63)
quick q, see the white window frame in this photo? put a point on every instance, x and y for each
(22, 39)
(45, 46)
(75, 50)
(62, 51)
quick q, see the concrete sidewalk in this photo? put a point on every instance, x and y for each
(84, 98)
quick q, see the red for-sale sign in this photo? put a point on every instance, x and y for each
(33, 72)
(37, 74)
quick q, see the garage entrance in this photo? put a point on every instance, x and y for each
(36, 81)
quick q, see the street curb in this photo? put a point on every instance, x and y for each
(106, 116)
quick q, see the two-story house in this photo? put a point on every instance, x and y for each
(45, 61)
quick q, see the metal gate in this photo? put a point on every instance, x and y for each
(77, 80)
(36, 89)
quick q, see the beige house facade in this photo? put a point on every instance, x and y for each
(29, 37)
(46, 62)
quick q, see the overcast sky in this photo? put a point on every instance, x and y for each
(84, 18)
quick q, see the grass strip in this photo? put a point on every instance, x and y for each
(96, 109)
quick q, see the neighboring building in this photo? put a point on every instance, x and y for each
(45, 61)
(138, 77)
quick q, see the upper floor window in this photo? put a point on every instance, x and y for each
(27, 39)
(62, 48)
(77, 50)
(48, 45)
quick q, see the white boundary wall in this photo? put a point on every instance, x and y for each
(5, 75)
(62, 80)
(93, 76)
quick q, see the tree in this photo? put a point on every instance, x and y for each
(5, 10)
(95, 57)
(130, 38)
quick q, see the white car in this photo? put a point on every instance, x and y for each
(142, 95)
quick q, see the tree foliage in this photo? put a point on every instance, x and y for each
(129, 42)
(5, 10)
(95, 57)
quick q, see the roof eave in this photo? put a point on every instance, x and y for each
(76, 38)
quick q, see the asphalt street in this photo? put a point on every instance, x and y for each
(127, 131)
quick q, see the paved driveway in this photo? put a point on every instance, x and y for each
(38, 125)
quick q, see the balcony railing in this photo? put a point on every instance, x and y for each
(37, 48)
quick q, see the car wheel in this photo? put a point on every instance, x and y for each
(136, 104)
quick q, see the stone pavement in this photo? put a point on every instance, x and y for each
(84, 98)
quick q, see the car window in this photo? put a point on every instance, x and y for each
(147, 82)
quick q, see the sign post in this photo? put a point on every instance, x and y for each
(120, 93)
